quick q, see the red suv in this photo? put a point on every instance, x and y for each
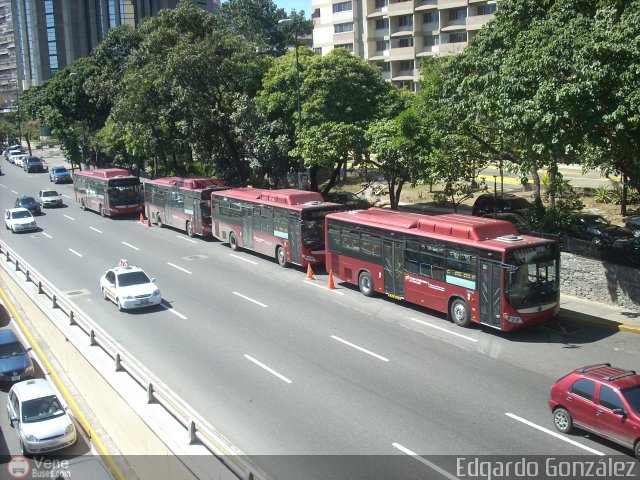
(602, 399)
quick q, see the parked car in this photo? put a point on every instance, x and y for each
(49, 198)
(487, 203)
(15, 362)
(33, 164)
(633, 224)
(59, 175)
(598, 230)
(41, 422)
(19, 220)
(349, 199)
(129, 287)
(518, 220)
(29, 203)
(11, 153)
(18, 159)
(626, 251)
(601, 399)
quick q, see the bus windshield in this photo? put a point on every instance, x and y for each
(313, 234)
(121, 195)
(532, 276)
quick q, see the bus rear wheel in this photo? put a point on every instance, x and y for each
(190, 231)
(281, 257)
(459, 311)
(159, 221)
(233, 242)
(365, 283)
(102, 212)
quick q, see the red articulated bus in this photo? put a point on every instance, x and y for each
(475, 269)
(287, 224)
(109, 191)
(182, 203)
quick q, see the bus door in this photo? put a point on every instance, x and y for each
(248, 214)
(393, 255)
(197, 216)
(295, 238)
(490, 291)
(168, 204)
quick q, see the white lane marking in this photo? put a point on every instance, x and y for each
(14, 192)
(130, 246)
(179, 268)
(553, 434)
(95, 229)
(66, 196)
(243, 259)
(337, 292)
(422, 322)
(426, 462)
(46, 234)
(250, 299)
(360, 348)
(70, 218)
(171, 310)
(186, 239)
(270, 370)
(75, 253)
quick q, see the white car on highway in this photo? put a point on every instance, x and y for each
(19, 220)
(129, 287)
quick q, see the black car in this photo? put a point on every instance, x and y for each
(486, 204)
(33, 164)
(633, 224)
(29, 203)
(626, 251)
(598, 230)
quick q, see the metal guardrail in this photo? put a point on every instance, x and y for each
(197, 429)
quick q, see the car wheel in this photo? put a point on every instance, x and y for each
(460, 313)
(23, 450)
(365, 284)
(281, 256)
(596, 241)
(233, 242)
(104, 294)
(83, 207)
(119, 305)
(562, 420)
(13, 230)
(190, 231)
(636, 233)
(636, 449)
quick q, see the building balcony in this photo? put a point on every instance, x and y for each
(405, 53)
(431, 27)
(400, 8)
(477, 21)
(345, 37)
(404, 75)
(404, 31)
(452, 48)
(426, 5)
(460, 24)
(445, 4)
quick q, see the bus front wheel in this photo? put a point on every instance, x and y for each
(460, 313)
(365, 283)
(281, 257)
(233, 242)
(158, 220)
(190, 231)
(102, 212)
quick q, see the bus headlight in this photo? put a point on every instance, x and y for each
(511, 319)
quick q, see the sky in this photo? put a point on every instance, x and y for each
(288, 5)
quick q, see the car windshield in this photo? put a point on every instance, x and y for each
(50, 193)
(29, 201)
(21, 214)
(59, 169)
(11, 349)
(595, 220)
(33, 160)
(632, 396)
(40, 409)
(132, 278)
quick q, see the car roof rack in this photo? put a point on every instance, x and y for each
(588, 368)
(619, 375)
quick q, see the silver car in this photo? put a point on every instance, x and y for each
(41, 422)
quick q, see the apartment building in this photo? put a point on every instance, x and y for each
(395, 34)
(40, 37)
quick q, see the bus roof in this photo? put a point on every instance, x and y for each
(105, 173)
(495, 234)
(286, 197)
(188, 183)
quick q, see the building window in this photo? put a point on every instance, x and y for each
(458, 37)
(318, 50)
(408, 84)
(112, 14)
(486, 9)
(406, 65)
(52, 48)
(405, 42)
(382, 45)
(430, 40)
(342, 7)
(343, 27)
(347, 46)
(458, 13)
(381, 3)
(384, 66)
(405, 21)
(382, 24)
(430, 17)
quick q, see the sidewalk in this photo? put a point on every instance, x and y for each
(604, 316)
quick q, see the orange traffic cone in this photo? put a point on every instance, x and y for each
(141, 218)
(309, 272)
(331, 285)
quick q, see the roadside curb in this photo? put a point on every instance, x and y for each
(585, 318)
